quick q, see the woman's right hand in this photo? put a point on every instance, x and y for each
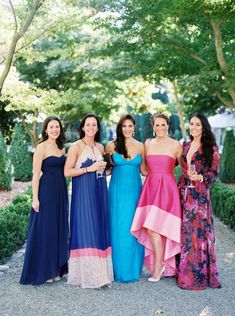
(35, 206)
(97, 166)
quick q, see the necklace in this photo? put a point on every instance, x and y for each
(92, 146)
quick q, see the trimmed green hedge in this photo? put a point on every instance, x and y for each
(13, 224)
(223, 203)
(227, 165)
(6, 169)
(20, 156)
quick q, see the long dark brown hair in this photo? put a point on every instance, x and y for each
(98, 133)
(119, 142)
(207, 139)
(60, 140)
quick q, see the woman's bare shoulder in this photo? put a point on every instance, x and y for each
(100, 147)
(110, 146)
(174, 142)
(41, 147)
(76, 147)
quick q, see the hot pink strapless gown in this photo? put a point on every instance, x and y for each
(159, 210)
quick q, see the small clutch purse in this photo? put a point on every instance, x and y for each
(109, 159)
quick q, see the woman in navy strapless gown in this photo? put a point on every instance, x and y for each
(124, 191)
(47, 241)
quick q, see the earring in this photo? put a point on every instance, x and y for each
(133, 134)
(154, 134)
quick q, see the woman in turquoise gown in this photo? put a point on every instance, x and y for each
(124, 191)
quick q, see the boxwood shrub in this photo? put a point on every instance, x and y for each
(223, 203)
(20, 156)
(13, 224)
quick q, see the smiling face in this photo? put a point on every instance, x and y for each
(128, 128)
(53, 129)
(160, 127)
(195, 127)
(90, 127)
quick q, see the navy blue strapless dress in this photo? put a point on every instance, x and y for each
(46, 253)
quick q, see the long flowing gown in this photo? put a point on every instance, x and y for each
(90, 263)
(159, 210)
(124, 191)
(197, 267)
(46, 253)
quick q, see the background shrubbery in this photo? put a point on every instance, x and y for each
(5, 166)
(20, 156)
(227, 170)
(13, 224)
(223, 203)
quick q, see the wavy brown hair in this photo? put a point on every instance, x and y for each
(207, 139)
(119, 142)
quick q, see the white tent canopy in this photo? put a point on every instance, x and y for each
(222, 120)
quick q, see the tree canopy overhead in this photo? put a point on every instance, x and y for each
(106, 56)
(176, 40)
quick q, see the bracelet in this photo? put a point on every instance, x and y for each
(201, 178)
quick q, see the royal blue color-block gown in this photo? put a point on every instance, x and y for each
(46, 253)
(90, 262)
(124, 191)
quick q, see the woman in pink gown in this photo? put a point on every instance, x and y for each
(157, 220)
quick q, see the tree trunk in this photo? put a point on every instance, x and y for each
(8, 60)
(180, 111)
(32, 132)
(16, 37)
(220, 57)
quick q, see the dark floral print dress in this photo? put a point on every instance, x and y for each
(197, 267)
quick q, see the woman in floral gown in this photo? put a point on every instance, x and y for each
(197, 267)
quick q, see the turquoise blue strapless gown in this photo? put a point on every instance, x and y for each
(124, 191)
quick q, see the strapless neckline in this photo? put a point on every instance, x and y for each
(125, 158)
(53, 157)
(164, 155)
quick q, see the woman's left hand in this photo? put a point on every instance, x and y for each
(194, 176)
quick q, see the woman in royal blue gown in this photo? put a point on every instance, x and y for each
(124, 191)
(90, 263)
(47, 240)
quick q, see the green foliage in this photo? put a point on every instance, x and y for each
(13, 224)
(177, 172)
(19, 155)
(173, 40)
(223, 201)
(5, 166)
(6, 122)
(227, 172)
(143, 127)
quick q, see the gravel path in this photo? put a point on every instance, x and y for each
(139, 299)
